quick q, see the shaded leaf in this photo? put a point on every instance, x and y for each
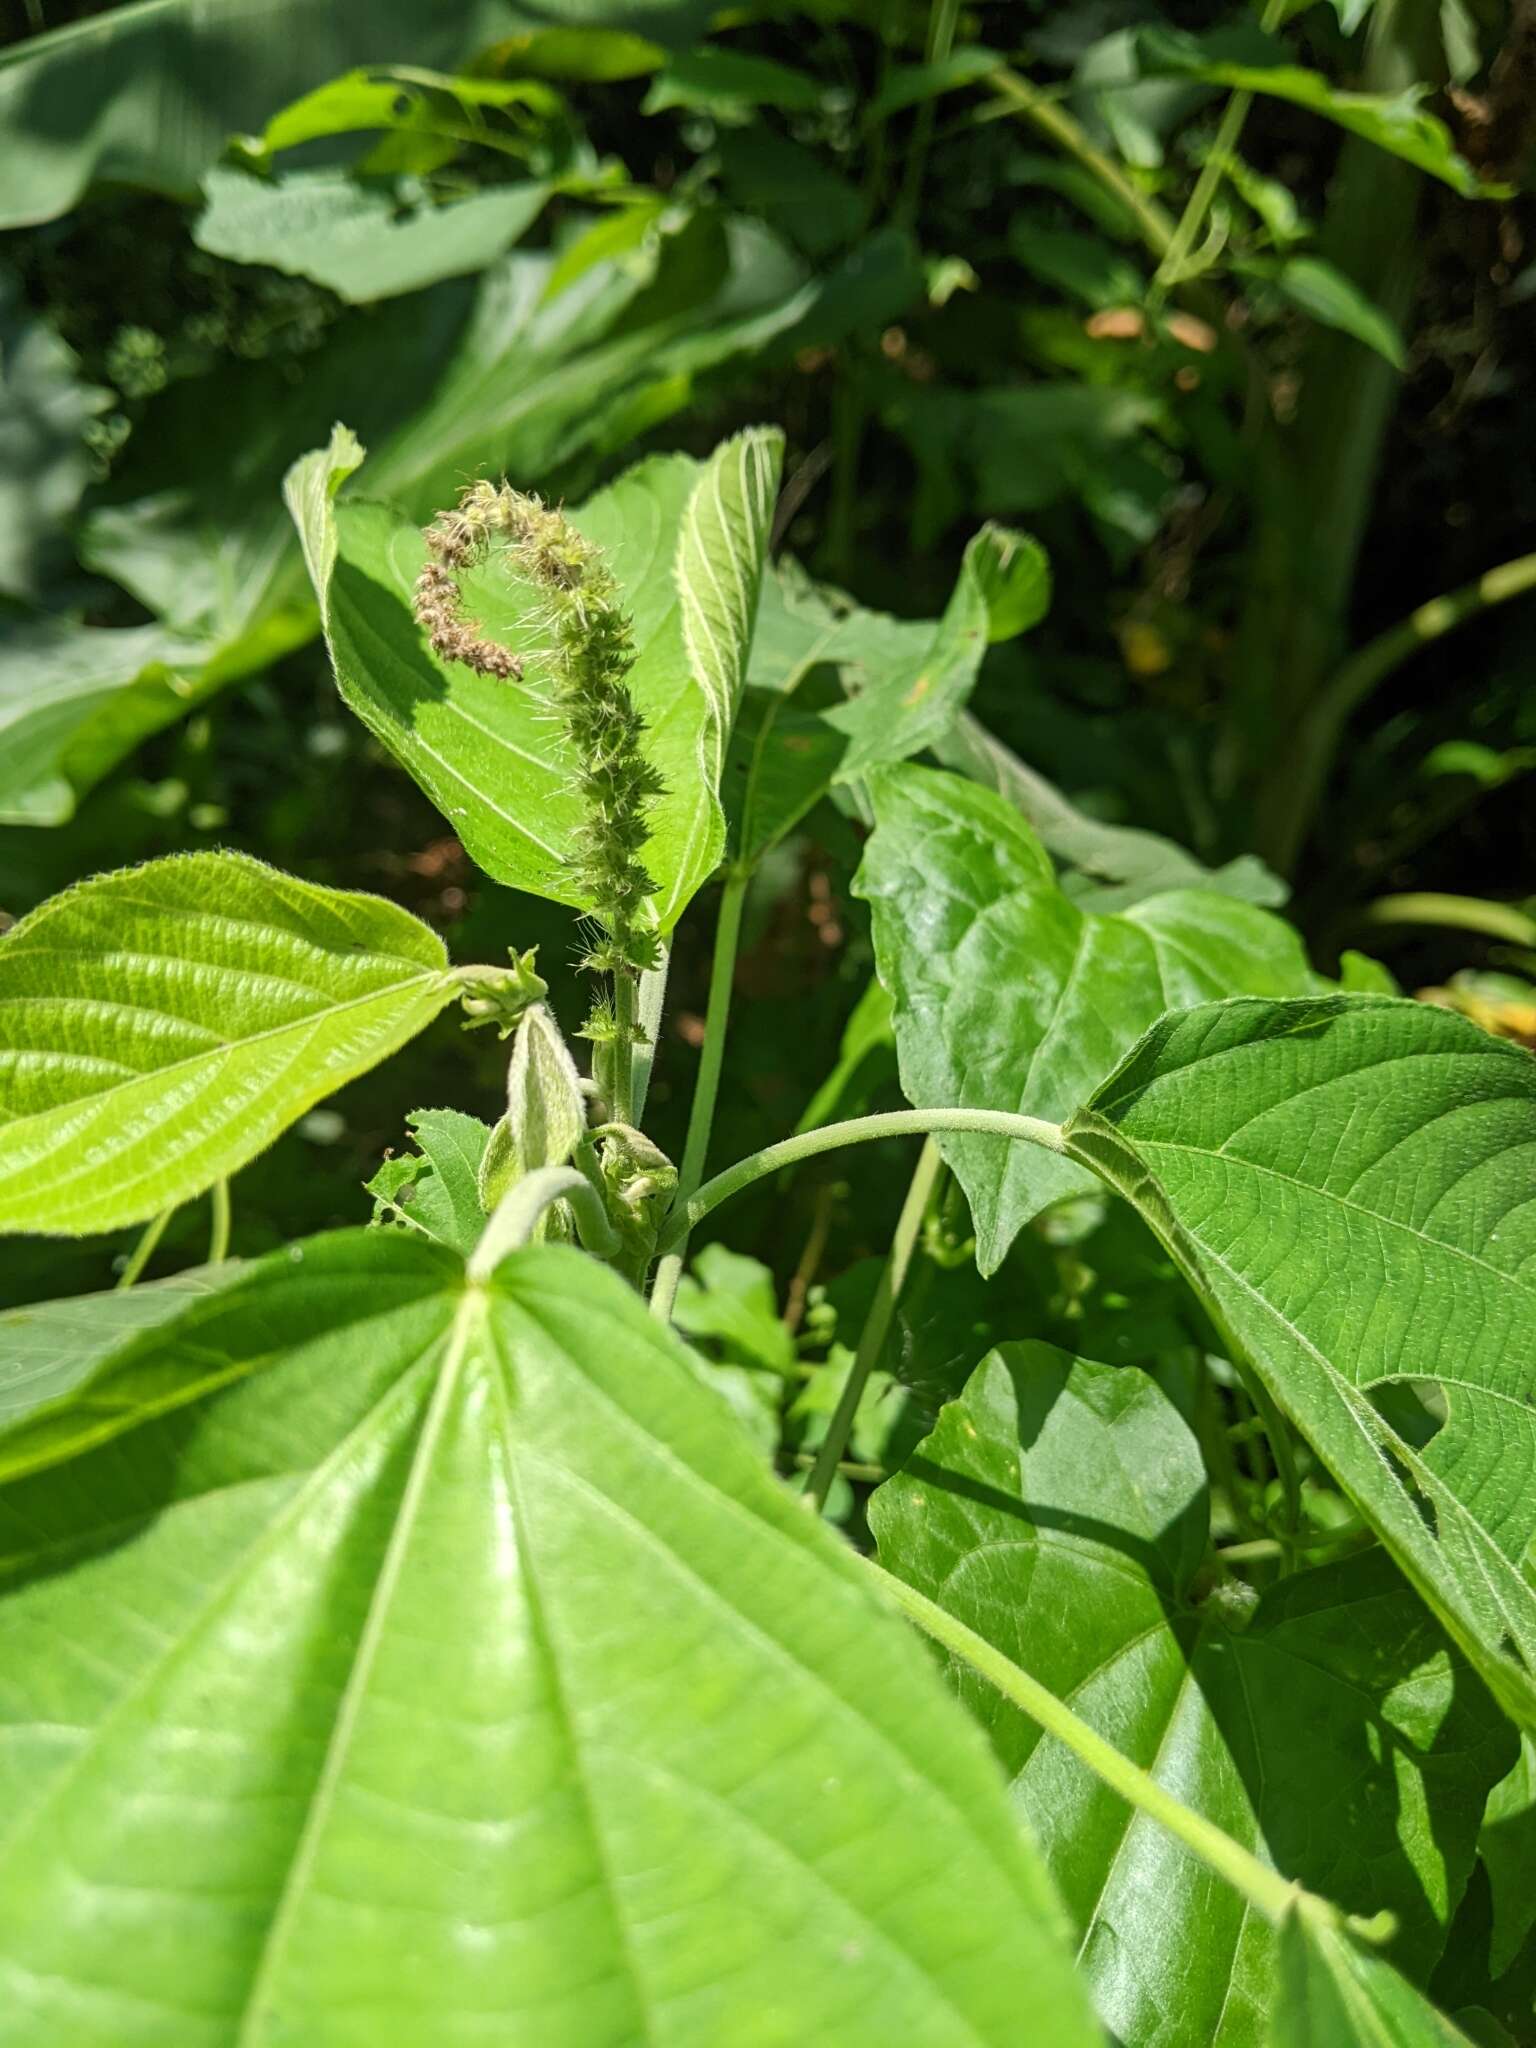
(1059, 1508)
(1113, 866)
(44, 467)
(159, 1026)
(1395, 122)
(1324, 292)
(1507, 1846)
(58, 1390)
(150, 93)
(354, 237)
(1335, 1994)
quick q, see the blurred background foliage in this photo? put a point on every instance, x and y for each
(1232, 310)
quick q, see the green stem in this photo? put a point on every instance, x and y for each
(896, 1123)
(943, 18)
(1273, 1895)
(516, 1217)
(143, 1251)
(877, 1324)
(706, 1089)
(651, 1003)
(1457, 913)
(624, 1036)
(1316, 739)
(218, 1235)
(1170, 271)
(1155, 226)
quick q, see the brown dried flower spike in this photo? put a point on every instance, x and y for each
(456, 540)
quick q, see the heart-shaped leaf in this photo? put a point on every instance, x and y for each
(449, 1668)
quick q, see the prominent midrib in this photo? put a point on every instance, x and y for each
(468, 1319)
(14, 1128)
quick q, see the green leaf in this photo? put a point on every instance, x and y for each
(1507, 1846)
(436, 1190)
(352, 236)
(1113, 866)
(1059, 1508)
(685, 541)
(1346, 1182)
(159, 1026)
(783, 759)
(70, 695)
(150, 93)
(1335, 1994)
(458, 1666)
(1327, 295)
(1395, 122)
(868, 1039)
(729, 84)
(45, 410)
(730, 1299)
(1003, 587)
(905, 681)
(1010, 996)
(59, 1393)
(446, 384)
(908, 85)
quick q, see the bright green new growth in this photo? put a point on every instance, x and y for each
(591, 653)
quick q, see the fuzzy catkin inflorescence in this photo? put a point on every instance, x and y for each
(590, 653)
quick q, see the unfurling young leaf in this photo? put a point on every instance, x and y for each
(546, 1114)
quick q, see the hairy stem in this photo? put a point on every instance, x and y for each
(625, 1033)
(517, 1214)
(896, 1123)
(706, 1089)
(144, 1250)
(877, 1324)
(1273, 1895)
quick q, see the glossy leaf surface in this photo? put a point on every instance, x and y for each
(1009, 996)
(159, 1026)
(1059, 1508)
(458, 1672)
(1347, 1182)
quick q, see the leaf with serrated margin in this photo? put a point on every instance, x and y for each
(159, 1026)
(455, 1671)
(1350, 1184)
(1059, 1508)
(1008, 995)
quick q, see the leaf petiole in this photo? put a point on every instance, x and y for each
(1272, 1894)
(896, 1123)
